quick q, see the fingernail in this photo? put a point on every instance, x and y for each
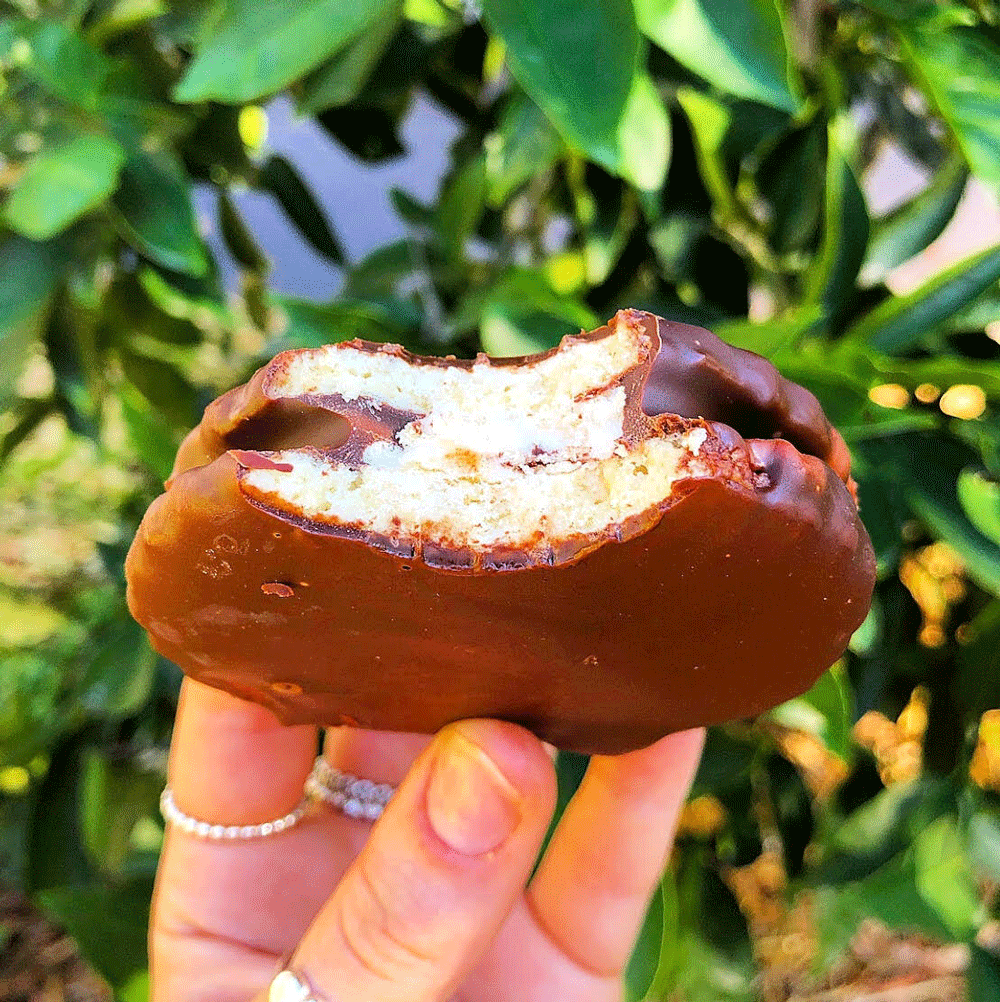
(470, 803)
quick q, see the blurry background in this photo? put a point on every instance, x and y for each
(188, 187)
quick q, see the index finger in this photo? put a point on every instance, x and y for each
(224, 911)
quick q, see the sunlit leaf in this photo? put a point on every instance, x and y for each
(461, 205)
(960, 70)
(902, 322)
(768, 336)
(710, 121)
(912, 227)
(825, 711)
(64, 64)
(253, 49)
(984, 842)
(980, 499)
(114, 797)
(117, 680)
(944, 878)
(644, 136)
(62, 183)
(738, 45)
(551, 47)
(524, 144)
(889, 894)
(338, 81)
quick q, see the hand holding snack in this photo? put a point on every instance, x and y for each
(430, 904)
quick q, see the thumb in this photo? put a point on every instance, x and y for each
(440, 872)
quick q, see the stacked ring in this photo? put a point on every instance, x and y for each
(345, 792)
(355, 797)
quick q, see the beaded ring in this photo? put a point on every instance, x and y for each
(345, 792)
(172, 814)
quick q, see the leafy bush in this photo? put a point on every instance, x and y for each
(704, 159)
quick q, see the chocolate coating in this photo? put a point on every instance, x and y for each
(730, 597)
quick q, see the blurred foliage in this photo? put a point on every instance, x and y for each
(705, 159)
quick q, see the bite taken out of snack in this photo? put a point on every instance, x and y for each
(640, 531)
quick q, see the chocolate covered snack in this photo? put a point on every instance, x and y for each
(580, 541)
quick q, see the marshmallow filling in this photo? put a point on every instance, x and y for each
(496, 455)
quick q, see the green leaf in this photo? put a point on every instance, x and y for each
(108, 922)
(114, 797)
(794, 186)
(825, 711)
(55, 854)
(925, 470)
(768, 336)
(117, 681)
(253, 49)
(889, 894)
(312, 325)
(27, 280)
(713, 957)
(461, 205)
(901, 323)
(65, 65)
(944, 878)
(154, 441)
(282, 180)
(523, 146)
(339, 81)
(241, 242)
(644, 136)
(392, 270)
(123, 16)
(521, 314)
(980, 500)
(645, 959)
(737, 45)
(63, 183)
(156, 213)
(666, 964)
(959, 69)
(983, 975)
(978, 683)
(27, 416)
(831, 280)
(984, 842)
(551, 51)
(161, 384)
(912, 227)
(873, 833)
(710, 121)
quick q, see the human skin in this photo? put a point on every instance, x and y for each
(433, 903)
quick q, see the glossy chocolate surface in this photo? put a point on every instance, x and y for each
(732, 596)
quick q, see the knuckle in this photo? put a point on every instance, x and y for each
(375, 930)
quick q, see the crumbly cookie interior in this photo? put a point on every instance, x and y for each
(496, 456)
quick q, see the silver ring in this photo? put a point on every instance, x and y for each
(286, 987)
(173, 815)
(343, 791)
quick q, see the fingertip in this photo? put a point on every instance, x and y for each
(519, 756)
(233, 762)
